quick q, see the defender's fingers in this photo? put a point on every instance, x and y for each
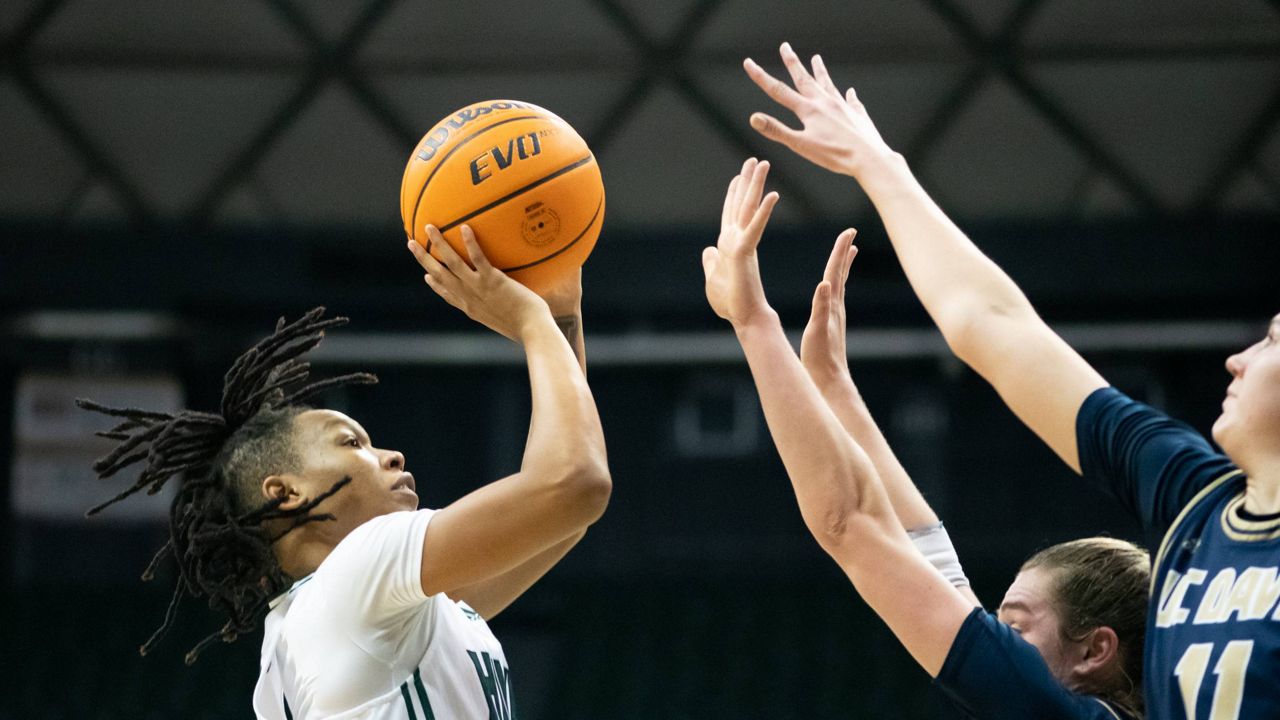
(844, 281)
(831, 273)
(744, 178)
(822, 76)
(710, 258)
(761, 218)
(755, 189)
(777, 90)
(799, 75)
(850, 252)
(853, 253)
(774, 130)
(726, 213)
(821, 303)
(478, 258)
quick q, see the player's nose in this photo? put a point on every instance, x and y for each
(1236, 361)
(393, 460)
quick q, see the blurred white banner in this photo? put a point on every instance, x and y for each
(54, 445)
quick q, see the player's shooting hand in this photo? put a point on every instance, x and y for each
(731, 267)
(822, 347)
(837, 133)
(483, 292)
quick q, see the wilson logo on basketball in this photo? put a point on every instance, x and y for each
(518, 148)
(440, 134)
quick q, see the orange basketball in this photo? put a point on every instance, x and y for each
(521, 177)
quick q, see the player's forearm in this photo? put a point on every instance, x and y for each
(492, 596)
(842, 396)
(832, 478)
(960, 287)
(565, 443)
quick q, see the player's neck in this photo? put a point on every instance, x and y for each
(1262, 497)
(300, 553)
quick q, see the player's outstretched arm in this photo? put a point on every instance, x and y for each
(840, 496)
(985, 318)
(823, 354)
(528, 520)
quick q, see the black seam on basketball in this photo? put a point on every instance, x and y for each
(423, 190)
(518, 191)
(571, 243)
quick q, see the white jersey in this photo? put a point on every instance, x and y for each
(359, 639)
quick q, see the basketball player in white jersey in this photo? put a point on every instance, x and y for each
(375, 609)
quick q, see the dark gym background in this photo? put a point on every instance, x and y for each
(176, 175)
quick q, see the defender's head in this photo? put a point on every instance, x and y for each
(1083, 605)
(1248, 429)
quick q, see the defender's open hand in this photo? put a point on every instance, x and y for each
(837, 134)
(732, 270)
(822, 347)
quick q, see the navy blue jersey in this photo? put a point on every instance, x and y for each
(991, 673)
(1213, 634)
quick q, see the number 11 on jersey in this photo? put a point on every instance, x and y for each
(1230, 670)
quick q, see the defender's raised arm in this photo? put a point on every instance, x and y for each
(985, 318)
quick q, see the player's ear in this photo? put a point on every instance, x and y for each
(1098, 651)
(286, 488)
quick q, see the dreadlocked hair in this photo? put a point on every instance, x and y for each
(218, 533)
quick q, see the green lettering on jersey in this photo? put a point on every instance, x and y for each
(495, 680)
(422, 697)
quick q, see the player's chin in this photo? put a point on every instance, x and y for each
(1221, 431)
(404, 499)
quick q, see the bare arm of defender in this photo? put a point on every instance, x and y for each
(985, 318)
(824, 356)
(840, 495)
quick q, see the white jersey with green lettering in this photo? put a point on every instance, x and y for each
(359, 639)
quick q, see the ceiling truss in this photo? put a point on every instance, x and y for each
(663, 60)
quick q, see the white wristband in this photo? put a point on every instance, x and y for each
(933, 542)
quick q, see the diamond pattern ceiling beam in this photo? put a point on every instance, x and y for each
(663, 60)
(26, 30)
(1008, 63)
(350, 73)
(245, 62)
(329, 61)
(1242, 156)
(1245, 153)
(1269, 181)
(667, 61)
(919, 148)
(13, 58)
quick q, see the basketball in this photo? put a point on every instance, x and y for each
(520, 176)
